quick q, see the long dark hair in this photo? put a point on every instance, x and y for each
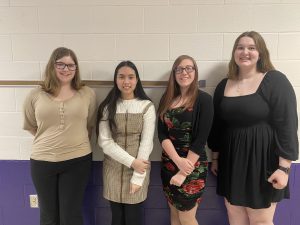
(110, 102)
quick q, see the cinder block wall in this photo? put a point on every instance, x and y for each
(152, 33)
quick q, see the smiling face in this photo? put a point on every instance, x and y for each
(65, 75)
(185, 73)
(126, 82)
(246, 54)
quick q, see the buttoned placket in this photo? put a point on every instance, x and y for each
(62, 115)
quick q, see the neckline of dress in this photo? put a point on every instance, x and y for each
(250, 94)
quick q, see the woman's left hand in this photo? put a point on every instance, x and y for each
(279, 179)
(178, 179)
(134, 188)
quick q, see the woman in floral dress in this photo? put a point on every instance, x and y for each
(185, 118)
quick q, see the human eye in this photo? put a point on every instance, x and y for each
(239, 47)
(252, 48)
(189, 69)
(60, 65)
(72, 66)
(178, 70)
(120, 76)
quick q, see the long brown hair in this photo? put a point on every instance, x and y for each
(51, 84)
(173, 89)
(264, 63)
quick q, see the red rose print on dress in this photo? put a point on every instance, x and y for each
(168, 122)
(194, 186)
(170, 166)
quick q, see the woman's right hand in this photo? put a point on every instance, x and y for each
(140, 165)
(184, 165)
(214, 167)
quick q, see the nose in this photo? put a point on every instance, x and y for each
(184, 71)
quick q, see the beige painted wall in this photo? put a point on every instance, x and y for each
(152, 33)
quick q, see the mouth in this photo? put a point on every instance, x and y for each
(184, 78)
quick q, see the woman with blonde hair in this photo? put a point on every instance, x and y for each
(60, 115)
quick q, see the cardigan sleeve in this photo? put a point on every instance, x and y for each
(109, 146)
(202, 121)
(146, 143)
(162, 130)
(215, 136)
(279, 93)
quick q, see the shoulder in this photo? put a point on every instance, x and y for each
(35, 93)
(144, 104)
(87, 90)
(221, 85)
(203, 97)
(275, 79)
(87, 93)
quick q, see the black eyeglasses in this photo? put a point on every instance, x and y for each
(188, 69)
(61, 66)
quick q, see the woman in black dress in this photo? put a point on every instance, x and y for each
(185, 118)
(254, 134)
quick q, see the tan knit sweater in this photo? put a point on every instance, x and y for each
(61, 126)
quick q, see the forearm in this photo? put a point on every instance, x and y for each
(193, 157)
(214, 155)
(284, 162)
(168, 146)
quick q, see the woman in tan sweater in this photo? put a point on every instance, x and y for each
(59, 114)
(126, 121)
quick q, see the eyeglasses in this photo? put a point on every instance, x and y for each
(188, 69)
(62, 66)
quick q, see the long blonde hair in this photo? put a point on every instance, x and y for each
(51, 84)
(173, 89)
(264, 63)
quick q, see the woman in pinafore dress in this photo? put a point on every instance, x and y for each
(254, 134)
(185, 117)
(126, 121)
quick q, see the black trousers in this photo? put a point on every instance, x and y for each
(60, 188)
(126, 214)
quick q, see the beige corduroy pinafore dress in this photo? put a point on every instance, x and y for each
(116, 176)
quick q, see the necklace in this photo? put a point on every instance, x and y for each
(248, 86)
(238, 87)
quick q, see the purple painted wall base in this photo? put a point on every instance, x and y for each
(16, 186)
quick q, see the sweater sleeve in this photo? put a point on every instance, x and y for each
(109, 146)
(92, 109)
(30, 122)
(202, 121)
(146, 143)
(215, 136)
(279, 94)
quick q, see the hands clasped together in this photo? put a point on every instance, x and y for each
(139, 166)
(186, 167)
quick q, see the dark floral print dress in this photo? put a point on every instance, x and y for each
(183, 198)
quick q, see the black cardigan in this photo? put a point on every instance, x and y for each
(202, 120)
